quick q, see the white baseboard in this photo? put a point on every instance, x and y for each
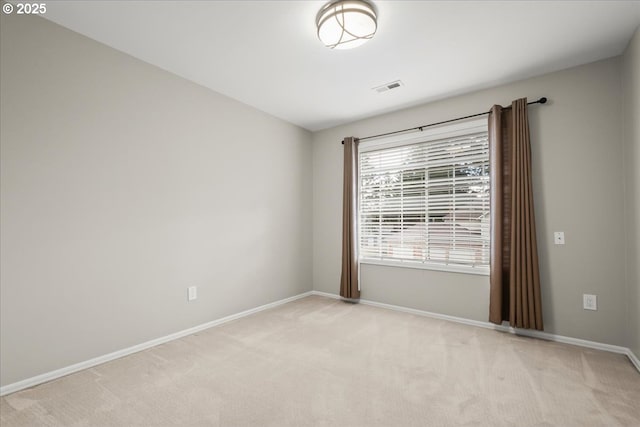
(503, 328)
(326, 294)
(48, 376)
(634, 359)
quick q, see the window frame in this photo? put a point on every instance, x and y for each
(450, 130)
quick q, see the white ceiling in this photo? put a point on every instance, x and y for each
(266, 53)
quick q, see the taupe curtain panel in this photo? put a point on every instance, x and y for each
(349, 279)
(514, 274)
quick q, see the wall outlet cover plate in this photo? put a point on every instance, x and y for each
(589, 302)
(558, 237)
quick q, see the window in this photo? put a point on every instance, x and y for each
(424, 199)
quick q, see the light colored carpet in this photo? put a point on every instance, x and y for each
(323, 362)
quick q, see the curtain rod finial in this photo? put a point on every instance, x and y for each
(543, 100)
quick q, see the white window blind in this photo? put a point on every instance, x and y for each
(427, 202)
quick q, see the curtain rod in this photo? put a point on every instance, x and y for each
(542, 100)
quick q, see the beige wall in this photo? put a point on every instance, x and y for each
(631, 129)
(577, 155)
(122, 185)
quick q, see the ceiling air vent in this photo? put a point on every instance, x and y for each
(388, 86)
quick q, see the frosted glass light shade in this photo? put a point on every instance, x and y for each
(346, 24)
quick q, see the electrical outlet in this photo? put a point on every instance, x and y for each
(558, 237)
(589, 302)
(192, 293)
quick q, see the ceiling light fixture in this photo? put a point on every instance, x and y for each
(345, 24)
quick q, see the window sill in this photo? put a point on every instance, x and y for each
(480, 271)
